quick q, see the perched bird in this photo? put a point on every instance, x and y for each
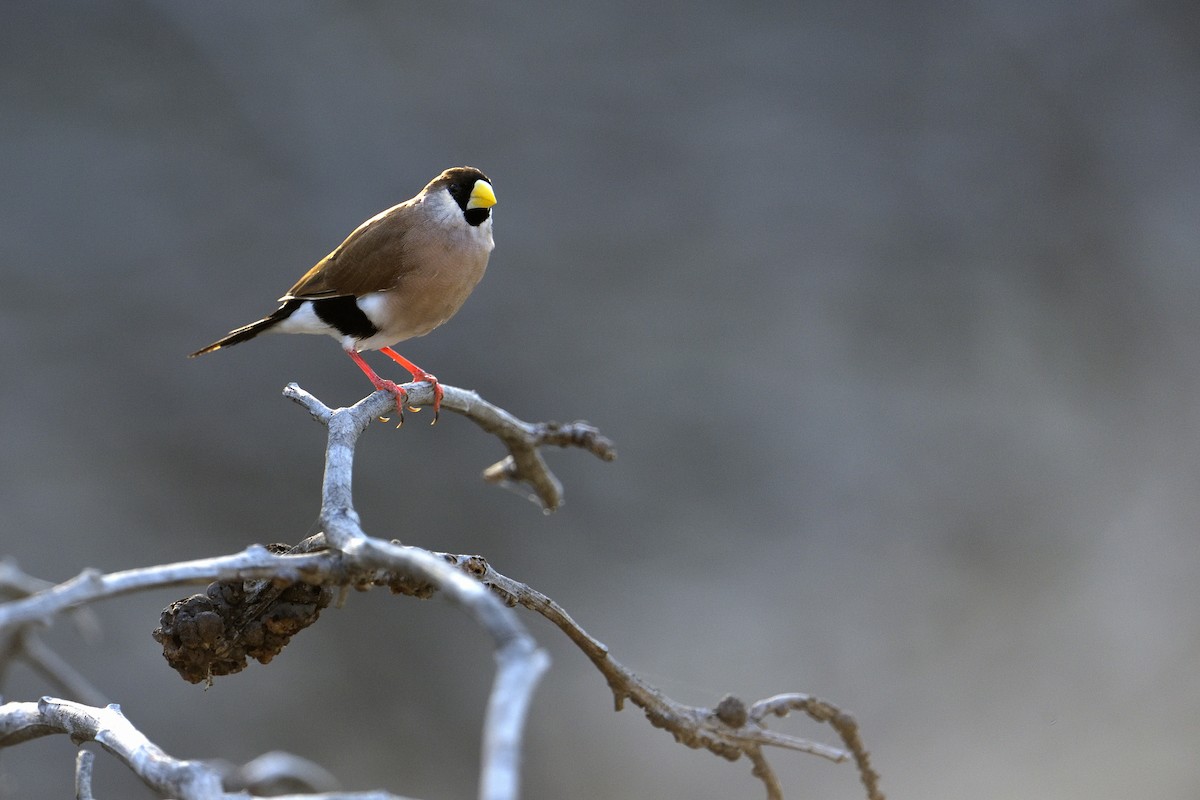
(400, 274)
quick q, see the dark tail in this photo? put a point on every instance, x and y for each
(250, 331)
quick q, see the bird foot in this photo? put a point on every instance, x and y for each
(418, 375)
(399, 393)
(437, 392)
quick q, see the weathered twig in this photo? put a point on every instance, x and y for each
(22, 721)
(275, 771)
(520, 663)
(84, 760)
(730, 730)
(22, 642)
(343, 555)
(523, 466)
(90, 585)
(108, 727)
(782, 704)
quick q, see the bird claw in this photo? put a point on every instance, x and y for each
(437, 396)
(418, 375)
(436, 413)
(401, 399)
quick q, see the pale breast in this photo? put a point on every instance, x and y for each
(428, 296)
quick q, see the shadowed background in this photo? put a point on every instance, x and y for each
(891, 311)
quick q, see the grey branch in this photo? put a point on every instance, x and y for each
(277, 770)
(108, 727)
(730, 730)
(523, 467)
(344, 555)
(22, 642)
(520, 663)
(84, 760)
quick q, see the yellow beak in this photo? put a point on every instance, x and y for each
(482, 196)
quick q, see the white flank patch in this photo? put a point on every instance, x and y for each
(305, 320)
(374, 305)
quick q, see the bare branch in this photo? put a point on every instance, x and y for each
(90, 585)
(842, 722)
(524, 465)
(22, 642)
(108, 727)
(84, 760)
(763, 771)
(278, 589)
(275, 772)
(730, 730)
(15, 582)
(520, 663)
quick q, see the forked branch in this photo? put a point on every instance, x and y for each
(730, 729)
(522, 467)
(263, 595)
(108, 727)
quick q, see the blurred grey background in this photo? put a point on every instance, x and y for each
(890, 308)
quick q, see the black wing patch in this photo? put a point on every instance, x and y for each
(343, 313)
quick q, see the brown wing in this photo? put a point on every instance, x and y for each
(371, 259)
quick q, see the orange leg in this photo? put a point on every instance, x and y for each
(418, 375)
(380, 383)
